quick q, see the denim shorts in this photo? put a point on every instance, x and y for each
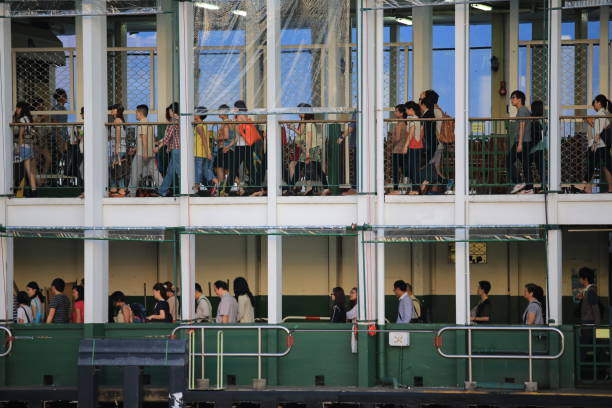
(25, 152)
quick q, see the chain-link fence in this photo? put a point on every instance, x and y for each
(131, 77)
(39, 72)
(586, 164)
(398, 73)
(579, 73)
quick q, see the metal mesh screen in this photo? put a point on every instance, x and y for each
(303, 231)
(409, 234)
(40, 73)
(136, 67)
(397, 78)
(40, 8)
(110, 234)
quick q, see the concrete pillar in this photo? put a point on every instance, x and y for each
(275, 243)
(554, 254)
(165, 58)
(187, 95)
(512, 57)
(6, 101)
(422, 26)
(604, 50)
(95, 165)
(462, 266)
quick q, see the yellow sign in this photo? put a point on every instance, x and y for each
(602, 333)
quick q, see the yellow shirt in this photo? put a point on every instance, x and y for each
(201, 149)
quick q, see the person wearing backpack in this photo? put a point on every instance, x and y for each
(24, 312)
(203, 306)
(534, 312)
(124, 312)
(590, 312)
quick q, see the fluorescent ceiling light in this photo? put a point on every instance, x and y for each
(406, 21)
(207, 6)
(240, 13)
(483, 7)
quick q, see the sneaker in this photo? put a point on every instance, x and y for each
(527, 191)
(449, 192)
(517, 188)
(234, 188)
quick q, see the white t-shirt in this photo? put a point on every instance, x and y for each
(203, 309)
(598, 126)
(24, 314)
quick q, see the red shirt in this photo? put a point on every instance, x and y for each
(78, 305)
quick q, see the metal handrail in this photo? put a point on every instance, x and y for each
(9, 343)
(286, 318)
(220, 354)
(471, 356)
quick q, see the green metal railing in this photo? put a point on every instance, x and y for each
(593, 351)
(415, 163)
(47, 159)
(137, 164)
(586, 164)
(496, 166)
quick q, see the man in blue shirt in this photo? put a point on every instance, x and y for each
(405, 310)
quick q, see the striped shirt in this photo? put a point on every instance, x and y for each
(61, 304)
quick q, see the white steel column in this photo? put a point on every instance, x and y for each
(275, 243)
(78, 33)
(380, 166)
(95, 165)
(6, 158)
(422, 33)
(187, 86)
(6, 136)
(462, 266)
(604, 51)
(554, 254)
(512, 65)
(165, 60)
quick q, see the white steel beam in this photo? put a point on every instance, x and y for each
(422, 26)
(512, 50)
(462, 266)
(380, 165)
(165, 59)
(275, 243)
(604, 50)
(187, 95)
(6, 96)
(95, 156)
(554, 254)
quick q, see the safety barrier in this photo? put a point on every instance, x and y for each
(471, 384)
(259, 382)
(9, 341)
(319, 318)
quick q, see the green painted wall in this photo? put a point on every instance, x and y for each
(52, 351)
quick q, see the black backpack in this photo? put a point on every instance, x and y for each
(536, 131)
(139, 312)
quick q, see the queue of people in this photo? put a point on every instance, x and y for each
(30, 304)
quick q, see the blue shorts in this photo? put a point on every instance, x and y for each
(25, 152)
